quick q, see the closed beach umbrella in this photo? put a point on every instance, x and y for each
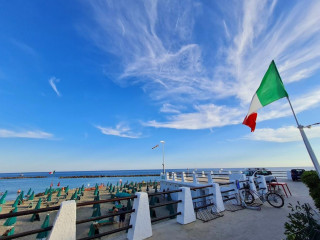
(21, 196)
(29, 192)
(38, 204)
(66, 190)
(16, 202)
(46, 191)
(113, 189)
(170, 207)
(31, 196)
(96, 211)
(96, 198)
(152, 201)
(49, 198)
(82, 188)
(12, 220)
(75, 195)
(44, 225)
(59, 192)
(11, 232)
(37, 207)
(129, 205)
(96, 191)
(3, 198)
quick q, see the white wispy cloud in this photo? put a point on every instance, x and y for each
(156, 44)
(291, 38)
(4, 133)
(24, 47)
(203, 116)
(52, 82)
(169, 108)
(284, 134)
(121, 130)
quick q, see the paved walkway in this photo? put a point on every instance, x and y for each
(241, 225)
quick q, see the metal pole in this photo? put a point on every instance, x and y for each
(163, 156)
(306, 143)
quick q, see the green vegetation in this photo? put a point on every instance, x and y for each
(302, 224)
(311, 179)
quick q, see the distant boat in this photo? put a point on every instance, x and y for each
(21, 174)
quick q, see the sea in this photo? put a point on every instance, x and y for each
(40, 184)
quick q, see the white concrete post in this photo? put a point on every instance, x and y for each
(210, 180)
(203, 175)
(64, 226)
(252, 186)
(167, 176)
(183, 177)
(174, 176)
(140, 218)
(217, 197)
(262, 184)
(185, 207)
(195, 178)
(289, 175)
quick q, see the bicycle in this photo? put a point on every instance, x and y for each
(248, 197)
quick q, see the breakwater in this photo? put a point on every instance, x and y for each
(112, 176)
(20, 177)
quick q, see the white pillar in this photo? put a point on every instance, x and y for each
(185, 207)
(167, 176)
(174, 176)
(140, 218)
(64, 226)
(262, 184)
(203, 175)
(183, 177)
(252, 186)
(217, 197)
(195, 178)
(210, 180)
(289, 175)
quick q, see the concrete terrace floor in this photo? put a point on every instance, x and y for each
(240, 225)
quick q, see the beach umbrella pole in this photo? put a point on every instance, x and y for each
(306, 142)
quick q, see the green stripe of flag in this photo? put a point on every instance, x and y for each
(271, 87)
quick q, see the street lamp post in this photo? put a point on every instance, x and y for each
(163, 142)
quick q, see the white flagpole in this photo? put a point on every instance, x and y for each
(306, 143)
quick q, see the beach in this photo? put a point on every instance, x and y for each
(243, 224)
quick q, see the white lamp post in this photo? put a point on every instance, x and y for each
(163, 142)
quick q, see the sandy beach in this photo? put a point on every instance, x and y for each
(23, 222)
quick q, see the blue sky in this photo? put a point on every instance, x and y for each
(94, 85)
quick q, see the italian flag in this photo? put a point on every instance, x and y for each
(270, 90)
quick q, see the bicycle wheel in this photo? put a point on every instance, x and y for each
(275, 200)
(248, 197)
